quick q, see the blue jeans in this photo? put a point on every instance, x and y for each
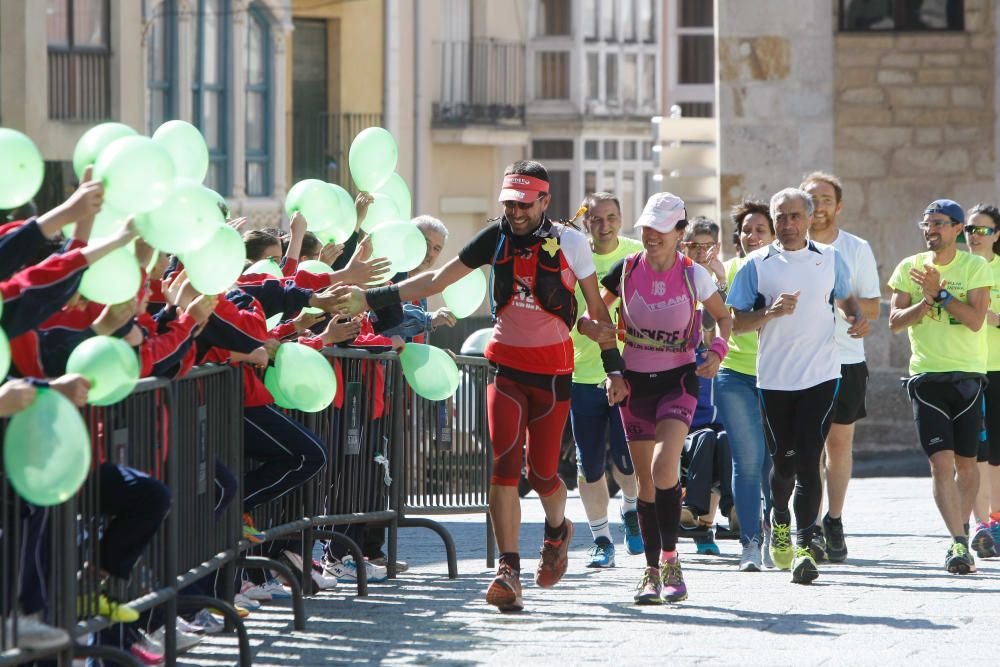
(595, 425)
(739, 407)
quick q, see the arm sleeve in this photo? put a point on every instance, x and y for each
(33, 295)
(350, 245)
(289, 266)
(231, 327)
(842, 277)
(866, 274)
(480, 250)
(613, 279)
(313, 281)
(386, 318)
(18, 241)
(743, 291)
(165, 350)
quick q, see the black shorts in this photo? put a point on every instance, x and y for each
(948, 411)
(850, 405)
(989, 449)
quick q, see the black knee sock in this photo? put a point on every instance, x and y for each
(650, 531)
(511, 559)
(668, 516)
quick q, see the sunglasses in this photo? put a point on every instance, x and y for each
(979, 230)
(933, 224)
(698, 246)
(524, 206)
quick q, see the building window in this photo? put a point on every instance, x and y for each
(630, 80)
(609, 20)
(161, 71)
(211, 88)
(647, 27)
(611, 78)
(591, 20)
(79, 59)
(629, 150)
(589, 182)
(697, 59)
(593, 75)
(695, 14)
(648, 86)
(552, 149)
(258, 107)
(696, 109)
(901, 15)
(552, 75)
(591, 150)
(611, 150)
(628, 20)
(690, 77)
(554, 17)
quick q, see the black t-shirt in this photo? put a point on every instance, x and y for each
(480, 250)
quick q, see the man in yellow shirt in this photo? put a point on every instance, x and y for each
(940, 297)
(595, 423)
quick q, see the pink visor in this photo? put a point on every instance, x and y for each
(518, 187)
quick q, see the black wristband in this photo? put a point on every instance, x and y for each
(382, 297)
(612, 360)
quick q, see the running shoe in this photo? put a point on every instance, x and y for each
(765, 551)
(322, 581)
(147, 652)
(381, 561)
(347, 570)
(817, 544)
(185, 641)
(633, 536)
(255, 592)
(241, 600)
(554, 559)
(250, 532)
(982, 543)
(602, 553)
(112, 609)
(242, 612)
(995, 532)
(750, 560)
(206, 622)
(781, 545)
(504, 592)
(32, 634)
(672, 581)
(648, 591)
(959, 560)
(836, 546)
(705, 544)
(804, 566)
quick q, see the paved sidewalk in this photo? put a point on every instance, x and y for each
(892, 600)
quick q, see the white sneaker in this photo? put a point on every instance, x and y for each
(33, 634)
(185, 641)
(765, 552)
(275, 589)
(347, 570)
(323, 581)
(750, 561)
(208, 623)
(254, 591)
(249, 604)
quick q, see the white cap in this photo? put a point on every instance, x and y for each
(663, 212)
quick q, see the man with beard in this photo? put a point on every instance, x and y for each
(827, 195)
(940, 297)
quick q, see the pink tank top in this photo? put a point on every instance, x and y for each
(657, 317)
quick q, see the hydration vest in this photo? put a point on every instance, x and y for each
(693, 335)
(541, 249)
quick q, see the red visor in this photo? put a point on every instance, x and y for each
(518, 187)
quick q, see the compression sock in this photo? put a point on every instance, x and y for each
(650, 532)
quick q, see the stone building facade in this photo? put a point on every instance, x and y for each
(903, 117)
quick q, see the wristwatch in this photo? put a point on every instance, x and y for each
(943, 297)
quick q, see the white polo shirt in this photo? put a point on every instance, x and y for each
(860, 259)
(796, 351)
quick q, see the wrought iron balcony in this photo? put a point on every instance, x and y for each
(481, 83)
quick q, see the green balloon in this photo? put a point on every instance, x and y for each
(21, 169)
(268, 266)
(138, 174)
(4, 354)
(46, 452)
(321, 205)
(184, 223)
(111, 366)
(271, 382)
(399, 192)
(315, 266)
(293, 200)
(114, 278)
(464, 297)
(348, 214)
(430, 372)
(372, 158)
(214, 267)
(95, 140)
(304, 377)
(187, 148)
(401, 243)
(107, 222)
(383, 209)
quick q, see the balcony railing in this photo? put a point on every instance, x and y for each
(321, 142)
(79, 85)
(482, 83)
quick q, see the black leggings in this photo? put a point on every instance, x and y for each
(796, 424)
(990, 449)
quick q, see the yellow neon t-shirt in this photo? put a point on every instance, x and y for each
(939, 343)
(742, 356)
(993, 333)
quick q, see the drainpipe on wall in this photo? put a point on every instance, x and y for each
(418, 107)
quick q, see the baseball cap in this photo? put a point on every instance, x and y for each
(663, 212)
(946, 207)
(522, 188)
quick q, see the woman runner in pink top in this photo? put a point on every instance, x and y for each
(660, 289)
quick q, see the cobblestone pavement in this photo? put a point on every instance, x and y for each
(892, 600)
